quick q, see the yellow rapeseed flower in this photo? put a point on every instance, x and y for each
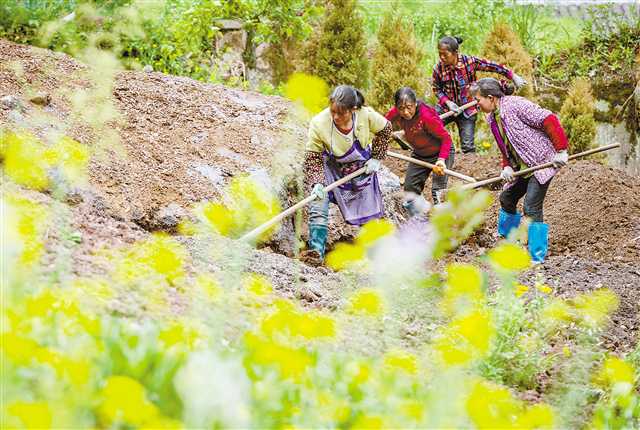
(511, 257)
(310, 91)
(373, 231)
(491, 406)
(257, 285)
(466, 338)
(24, 160)
(124, 399)
(521, 289)
(594, 308)
(209, 286)
(177, 334)
(615, 371)
(544, 289)
(345, 255)
(538, 416)
(219, 217)
(463, 288)
(291, 362)
(366, 301)
(402, 360)
(34, 415)
(368, 422)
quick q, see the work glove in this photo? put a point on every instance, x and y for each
(518, 81)
(372, 165)
(319, 192)
(453, 107)
(507, 174)
(560, 159)
(440, 166)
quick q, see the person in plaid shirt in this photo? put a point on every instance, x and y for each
(453, 76)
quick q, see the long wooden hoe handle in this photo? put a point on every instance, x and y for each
(431, 166)
(262, 228)
(541, 166)
(302, 203)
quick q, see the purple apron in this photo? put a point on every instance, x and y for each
(359, 200)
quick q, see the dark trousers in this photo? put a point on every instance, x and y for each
(416, 176)
(466, 129)
(534, 193)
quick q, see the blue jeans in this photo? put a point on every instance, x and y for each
(319, 212)
(534, 193)
(466, 129)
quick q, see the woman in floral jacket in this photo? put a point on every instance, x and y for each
(527, 135)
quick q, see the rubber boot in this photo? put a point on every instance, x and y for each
(538, 241)
(507, 222)
(314, 256)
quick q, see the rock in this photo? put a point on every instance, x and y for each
(168, 217)
(228, 24)
(41, 99)
(11, 102)
(147, 69)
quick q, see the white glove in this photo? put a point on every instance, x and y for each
(453, 107)
(372, 165)
(319, 192)
(560, 159)
(507, 174)
(518, 81)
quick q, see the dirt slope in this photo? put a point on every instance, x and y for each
(184, 140)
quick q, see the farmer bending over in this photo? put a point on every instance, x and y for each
(430, 141)
(527, 135)
(343, 138)
(452, 77)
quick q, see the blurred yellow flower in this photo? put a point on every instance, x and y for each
(345, 255)
(463, 288)
(539, 416)
(368, 422)
(595, 307)
(466, 338)
(292, 363)
(492, 406)
(373, 231)
(34, 415)
(124, 400)
(615, 371)
(310, 91)
(521, 289)
(209, 286)
(544, 289)
(366, 301)
(403, 360)
(24, 161)
(509, 256)
(218, 216)
(177, 334)
(257, 285)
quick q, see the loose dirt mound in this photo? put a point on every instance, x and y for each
(592, 210)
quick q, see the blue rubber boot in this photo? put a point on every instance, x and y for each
(318, 238)
(538, 241)
(507, 222)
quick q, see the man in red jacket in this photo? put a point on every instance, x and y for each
(430, 141)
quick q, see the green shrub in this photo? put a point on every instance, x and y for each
(503, 46)
(577, 116)
(338, 53)
(396, 62)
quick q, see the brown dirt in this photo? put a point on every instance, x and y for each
(184, 140)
